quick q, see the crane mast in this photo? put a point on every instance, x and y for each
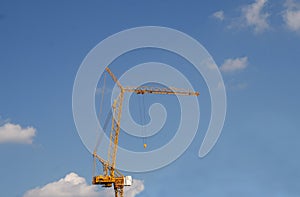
(111, 176)
(115, 130)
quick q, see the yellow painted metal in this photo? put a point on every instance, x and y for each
(114, 78)
(108, 180)
(157, 90)
(115, 131)
(111, 176)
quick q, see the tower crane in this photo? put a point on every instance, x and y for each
(111, 176)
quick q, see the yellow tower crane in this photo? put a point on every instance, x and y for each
(111, 176)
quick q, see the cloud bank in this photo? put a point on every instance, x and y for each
(72, 185)
(13, 133)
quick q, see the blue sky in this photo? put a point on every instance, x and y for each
(256, 44)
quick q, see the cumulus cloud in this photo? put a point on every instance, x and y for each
(219, 15)
(72, 185)
(131, 191)
(136, 188)
(232, 65)
(13, 133)
(255, 17)
(291, 15)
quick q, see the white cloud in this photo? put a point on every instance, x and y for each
(11, 133)
(291, 15)
(219, 15)
(232, 65)
(73, 185)
(255, 17)
(136, 188)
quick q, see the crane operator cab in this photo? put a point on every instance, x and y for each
(127, 180)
